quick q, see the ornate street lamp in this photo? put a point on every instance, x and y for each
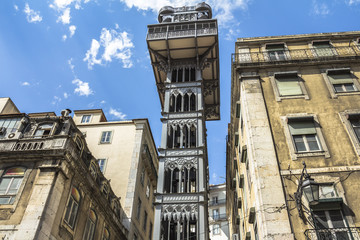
(309, 188)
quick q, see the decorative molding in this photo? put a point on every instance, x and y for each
(181, 162)
(180, 198)
(178, 212)
(210, 111)
(183, 122)
(210, 87)
(182, 152)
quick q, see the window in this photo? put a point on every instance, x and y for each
(135, 236)
(86, 119)
(215, 200)
(150, 231)
(72, 207)
(342, 81)
(181, 136)
(90, 226)
(276, 52)
(288, 85)
(145, 220)
(142, 176)
(138, 210)
(106, 234)
(323, 49)
(102, 164)
(9, 125)
(148, 189)
(105, 190)
(355, 124)
(93, 169)
(215, 214)
(304, 136)
(216, 229)
(10, 183)
(106, 137)
(330, 224)
(185, 74)
(43, 130)
(351, 120)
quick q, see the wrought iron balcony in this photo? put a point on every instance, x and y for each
(352, 233)
(295, 56)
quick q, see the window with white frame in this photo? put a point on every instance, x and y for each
(102, 164)
(276, 52)
(331, 224)
(8, 125)
(216, 229)
(90, 226)
(351, 120)
(72, 207)
(86, 119)
(342, 81)
(10, 184)
(323, 49)
(304, 136)
(106, 137)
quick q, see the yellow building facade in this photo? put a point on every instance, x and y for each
(295, 99)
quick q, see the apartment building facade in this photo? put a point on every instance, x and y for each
(126, 154)
(295, 102)
(50, 187)
(218, 221)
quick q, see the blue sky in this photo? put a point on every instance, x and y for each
(83, 54)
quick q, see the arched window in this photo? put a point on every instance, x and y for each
(72, 207)
(180, 75)
(43, 130)
(173, 230)
(10, 183)
(170, 137)
(184, 180)
(178, 103)
(177, 137)
(106, 234)
(187, 75)
(186, 103)
(185, 142)
(105, 190)
(116, 207)
(192, 180)
(172, 103)
(175, 180)
(192, 136)
(167, 180)
(90, 226)
(192, 102)
(93, 169)
(192, 75)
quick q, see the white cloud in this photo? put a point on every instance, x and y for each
(103, 102)
(25, 84)
(66, 95)
(82, 88)
(31, 15)
(116, 45)
(117, 114)
(64, 37)
(319, 8)
(71, 65)
(72, 30)
(65, 16)
(351, 2)
(16, 7)
(56, 100)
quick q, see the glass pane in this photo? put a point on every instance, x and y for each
(15, 185)
(312, 142)
(289, 87)
(15, 171)
(4, 200)
(73, 214)
(338, 88)
(320, 220)
(68, 210)
(336, 219)
(4, 184)
(299, 143)
(349, 87)
(327, 191)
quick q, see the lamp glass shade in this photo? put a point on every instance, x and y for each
(310, 189)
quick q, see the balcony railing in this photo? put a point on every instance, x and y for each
(333, 234)
(218, 202)
(288, 56)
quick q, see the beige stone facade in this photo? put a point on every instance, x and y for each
(50, 185)
(294, 99)
(126, 153)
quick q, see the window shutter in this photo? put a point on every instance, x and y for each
(252, 215)
(236, 139)
(233, 184)
(241, 181)
(238, 109)
(289, 86)
(235, 163)
(244, 154)
(300, 128)
(237, 220)
(239, 202)
(340, 78)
